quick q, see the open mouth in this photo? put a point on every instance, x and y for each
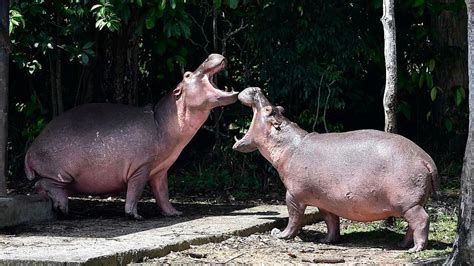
(213, 71)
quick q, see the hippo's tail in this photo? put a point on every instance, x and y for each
(433, 178)
(29, 171)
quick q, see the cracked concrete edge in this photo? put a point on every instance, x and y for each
(131, 256)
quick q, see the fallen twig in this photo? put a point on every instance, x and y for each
(328, 260)
(233, 258)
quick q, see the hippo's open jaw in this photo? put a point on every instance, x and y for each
(211, 66)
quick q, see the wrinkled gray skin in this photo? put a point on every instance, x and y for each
(363, 175)
(102, 149)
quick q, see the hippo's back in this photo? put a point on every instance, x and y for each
(91, 140)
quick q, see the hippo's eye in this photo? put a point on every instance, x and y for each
(187, 75)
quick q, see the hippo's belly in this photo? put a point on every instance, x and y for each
(355, 206)
(98, 181)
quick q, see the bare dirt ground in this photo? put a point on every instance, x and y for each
(360, 243)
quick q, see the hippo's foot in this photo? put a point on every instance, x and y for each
(282, 235)
(58, 196)
(416, 248)
(135, 216)
(330, 239)
(171, 212)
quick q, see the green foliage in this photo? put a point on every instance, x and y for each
(106, 16)
(16, 20)
(321, 60)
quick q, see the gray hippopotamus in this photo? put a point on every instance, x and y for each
(362, 175)
(103, 148)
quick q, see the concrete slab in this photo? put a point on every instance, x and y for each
(24, 209)
(38, 249)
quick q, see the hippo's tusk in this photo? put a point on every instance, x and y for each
(236, 139)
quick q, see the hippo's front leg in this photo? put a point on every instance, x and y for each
(159, 186)
(295, 218)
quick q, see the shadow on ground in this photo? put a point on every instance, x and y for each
(377, 238)
(98, 218)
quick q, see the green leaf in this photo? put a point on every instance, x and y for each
(88, 45)
(418, 3)
(429, 80)
(431, 65)
(161, 47)
(217, 4)
(139, 3)
(173, 4)
(185, 30)
(162, 5)
(433, 93)
(404, 108)
(459, 96)
(421, 80)
(84, 58)
(150, 22)
(233, 3)
(448, 124)
(95, 7)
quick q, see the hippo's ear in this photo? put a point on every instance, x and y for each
(177, 92)
(280, 109)
(268, 110)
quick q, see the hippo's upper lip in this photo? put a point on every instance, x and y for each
(211, 72)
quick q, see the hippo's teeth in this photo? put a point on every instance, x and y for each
(236, 139)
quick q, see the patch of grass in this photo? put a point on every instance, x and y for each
(443, 224)
(428, 253)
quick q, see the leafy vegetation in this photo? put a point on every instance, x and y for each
(321, 60)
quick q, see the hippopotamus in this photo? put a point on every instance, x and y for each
(104, 148)
(362, 175)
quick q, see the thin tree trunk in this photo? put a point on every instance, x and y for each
(4, 61)
(58, 81)
(463, 250)
(216, 112)
(52, 81)
(390, 52)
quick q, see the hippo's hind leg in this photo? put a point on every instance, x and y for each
(55, 191)
(296, 214)
(333, 227)
(418, 223)
(159, 186)
(135, 186)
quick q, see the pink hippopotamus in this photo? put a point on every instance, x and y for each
(103, 148)
(362, 175)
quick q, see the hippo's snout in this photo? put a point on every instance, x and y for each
(253, 97)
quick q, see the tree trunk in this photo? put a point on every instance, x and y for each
(52, 81)
(451, 40)
(217, 112)
(4, 61)
(463, 250)
(390, 52)
(118, 64)
(58, 85)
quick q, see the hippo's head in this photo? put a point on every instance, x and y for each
(267, 119)
(197, 89)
